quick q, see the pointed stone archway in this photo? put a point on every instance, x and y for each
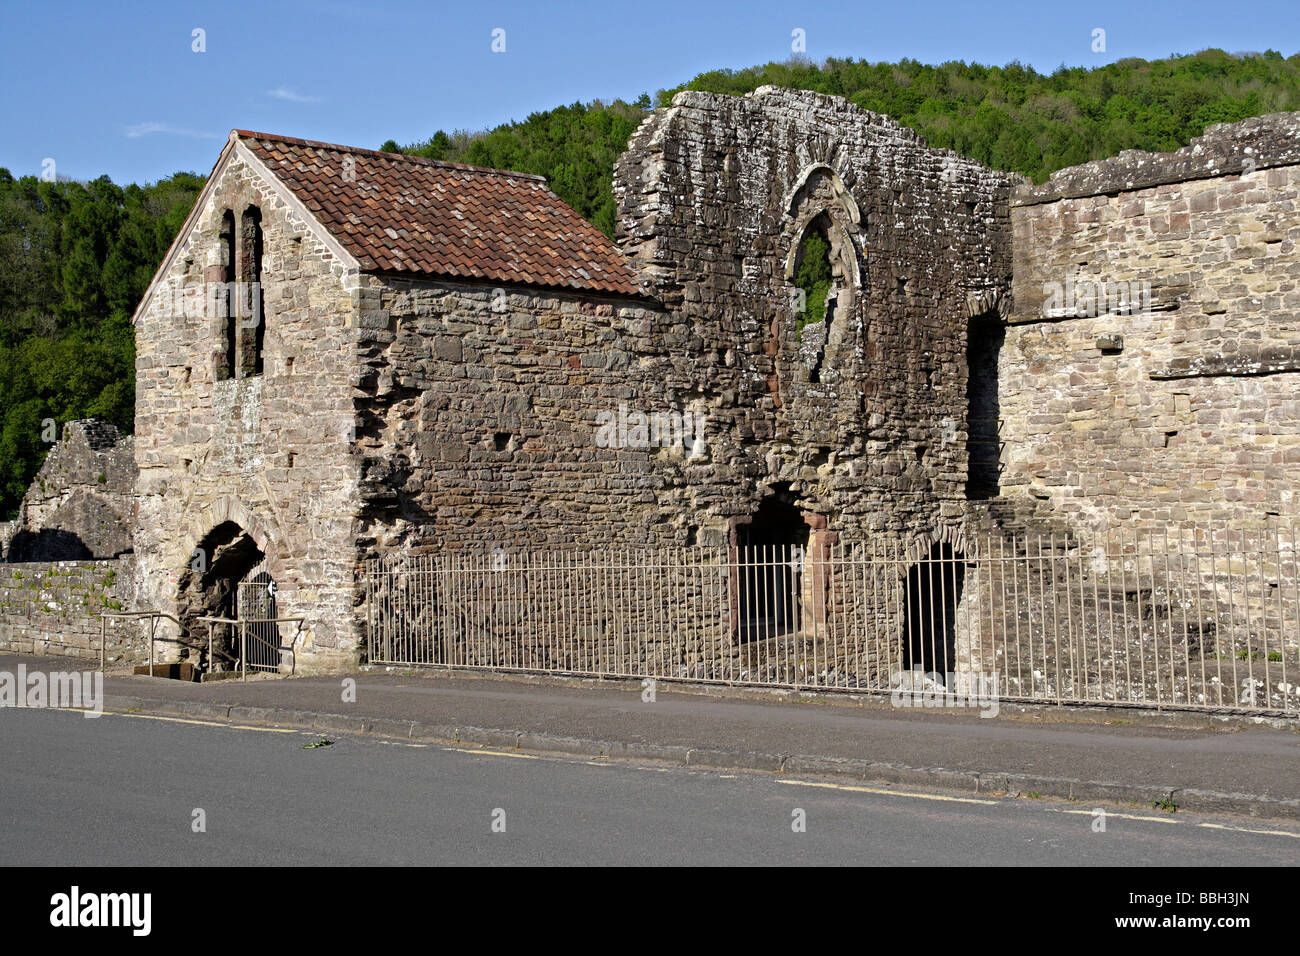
(208, 587)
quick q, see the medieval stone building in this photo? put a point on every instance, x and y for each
(431, 350)
(350, 355)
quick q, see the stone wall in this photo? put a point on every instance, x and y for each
(481, 416)
(479, 420)
(392, 418)
(863, 419)
(480, 409)
(235, 468)
(81, 503)
(55, 607)
(1170, 399)
(7, 531)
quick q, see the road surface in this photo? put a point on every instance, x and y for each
(133, 790)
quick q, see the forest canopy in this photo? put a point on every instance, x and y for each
(75, 259)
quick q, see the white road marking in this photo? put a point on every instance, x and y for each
(887, 793)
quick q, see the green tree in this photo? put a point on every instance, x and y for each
(813, 276)
(75, 260)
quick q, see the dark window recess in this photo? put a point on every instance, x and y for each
(768, 581)
(252, 318)
(225, 299)
(983, 411)
(934, 587)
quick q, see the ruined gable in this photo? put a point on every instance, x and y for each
(864, 417)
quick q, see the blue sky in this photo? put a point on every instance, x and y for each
(115, 87)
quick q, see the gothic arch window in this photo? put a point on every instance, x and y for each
(822, 269)
(251, 331)
(813, 273)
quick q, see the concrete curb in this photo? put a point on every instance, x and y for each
(857, 770)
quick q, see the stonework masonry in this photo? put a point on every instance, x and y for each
(485, 422)
(1117, 346)
(236, 467)
(82, 503)
(1180, 406)
(54, 607)
(481, 420)
(863, 418)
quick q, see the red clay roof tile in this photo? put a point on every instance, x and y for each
(423, 217)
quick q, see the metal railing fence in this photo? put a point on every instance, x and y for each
(1192, 620)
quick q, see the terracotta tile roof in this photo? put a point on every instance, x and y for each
(406, 214)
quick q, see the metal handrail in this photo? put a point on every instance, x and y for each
(132, 615)
(243, 636)
(153, 617)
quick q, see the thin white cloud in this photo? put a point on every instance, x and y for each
(293, 96)
(150, 128)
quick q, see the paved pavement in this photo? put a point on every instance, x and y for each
(1203, 764)
(136, 790)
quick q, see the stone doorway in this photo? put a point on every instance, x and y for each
(934, 589)
(208, 587)
(769, 550)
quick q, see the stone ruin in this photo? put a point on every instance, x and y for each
(81, 504)
(351, 357)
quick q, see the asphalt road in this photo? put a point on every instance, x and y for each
(124, 790)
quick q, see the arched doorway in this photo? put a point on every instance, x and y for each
(769, 549)
(209, 587)
(934, 587)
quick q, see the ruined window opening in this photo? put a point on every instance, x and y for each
(821, 271)
(934, 587)
(813, 274)
(768, 576)
(252, 320)
(985, 337)
(226, 309)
